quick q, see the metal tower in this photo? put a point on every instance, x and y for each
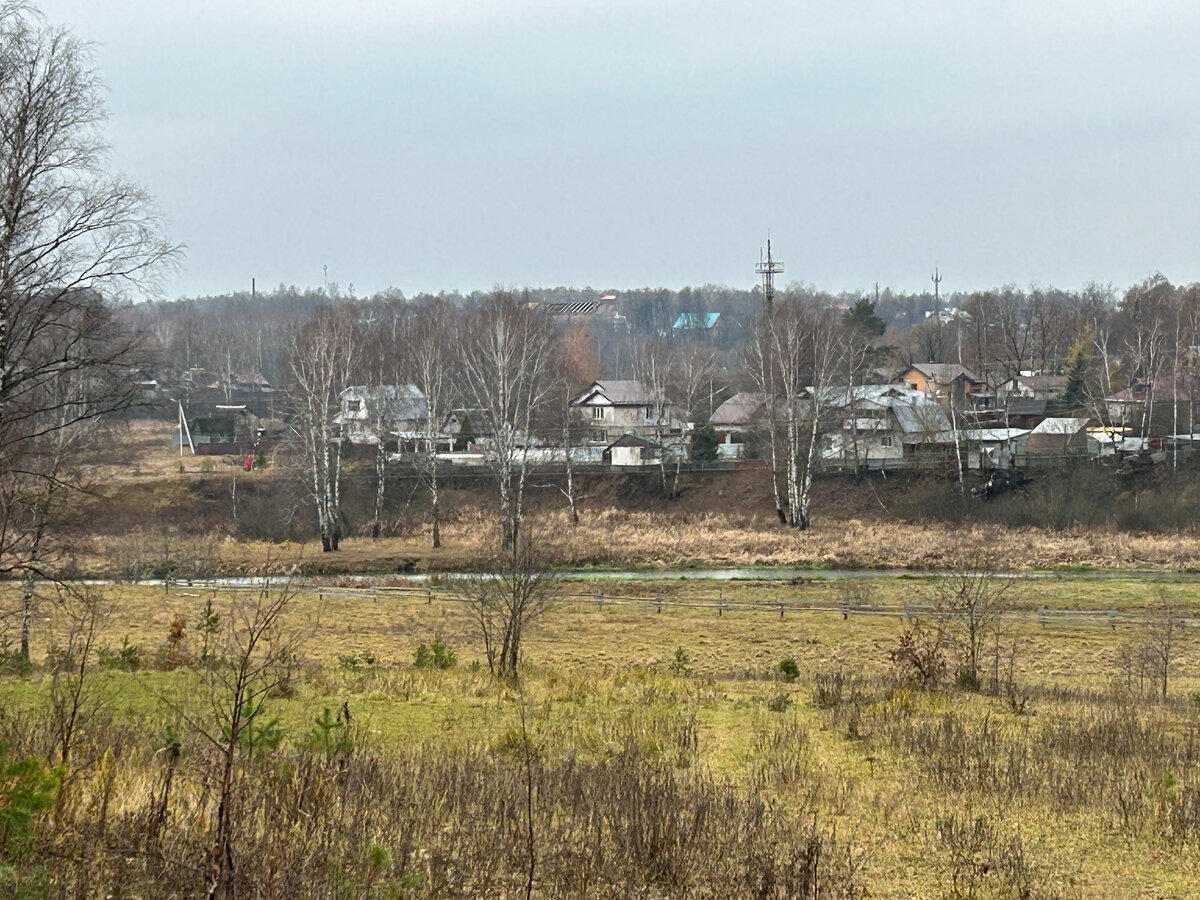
(768, 269)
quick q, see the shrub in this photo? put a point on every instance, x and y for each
(353, 662)
(126, 658)
(27, 788)
(919, 656)
(788, 669)
(173, 654)
(681, 664)
(435, 656)
(779, 703)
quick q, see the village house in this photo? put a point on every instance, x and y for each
(630, 450)
(947, 383)
(613, 408)
(880, 426)
(1155, 406)
(1034, 387)
(223, 428)
(392, 413)
(735, 420)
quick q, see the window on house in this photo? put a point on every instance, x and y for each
(885, 441)
(353, 406)
(597, 412)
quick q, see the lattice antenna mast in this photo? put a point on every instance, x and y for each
(936, 278)
(768, 269)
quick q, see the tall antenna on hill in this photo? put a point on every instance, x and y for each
(768, 269)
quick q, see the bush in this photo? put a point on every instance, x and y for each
(682, 663)
(352, 662)
(126, 658)
(27, 788)
(788, 669)
(173, 654)
(435, 656)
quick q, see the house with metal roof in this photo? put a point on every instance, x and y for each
(688, 321)
(947, 383)
(735, 419)
(616, 407)
(387, 412)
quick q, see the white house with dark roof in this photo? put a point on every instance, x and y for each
(735, 417)
(615, 407)
(370, 413)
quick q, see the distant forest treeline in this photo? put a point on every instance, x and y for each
(1033, 328)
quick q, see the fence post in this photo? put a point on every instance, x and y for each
(781, 610)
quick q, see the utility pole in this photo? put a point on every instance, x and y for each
(936, 278)
(768, 269)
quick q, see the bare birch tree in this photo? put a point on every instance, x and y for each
(507, 353)
(71, 236)
(807, 346)
(429, 338)
(322, 358)
(514, 592)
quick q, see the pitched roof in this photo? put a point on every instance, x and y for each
(944, 373)
(697, 320)
(848, 395)
(1166, 388)
(618, 393)
(923, 417)
(631, 440)
(1041, 382)
(1027, 406)
(1060, 425)
(400, 401)
(738, 409)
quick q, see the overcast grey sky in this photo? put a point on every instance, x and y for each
(441, 144)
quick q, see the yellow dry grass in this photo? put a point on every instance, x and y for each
(591, 666)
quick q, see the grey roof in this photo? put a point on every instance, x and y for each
(1027, 406)
(920, 417)
(1041, 382)
(738, 409)
(1060, 426)
(992, 435)
(840, 395)
(944, 373)
(401, 401)
(618, 393)
(631, 440)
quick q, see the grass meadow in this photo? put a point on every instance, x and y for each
(644, 753)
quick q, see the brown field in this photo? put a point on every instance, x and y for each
(1071, 787)
(652, 747)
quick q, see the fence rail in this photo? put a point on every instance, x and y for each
(910, 612)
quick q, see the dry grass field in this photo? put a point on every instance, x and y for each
(653, 540)
(1064, 783)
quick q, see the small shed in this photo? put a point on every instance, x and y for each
(1058, 437)
(631, 450)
